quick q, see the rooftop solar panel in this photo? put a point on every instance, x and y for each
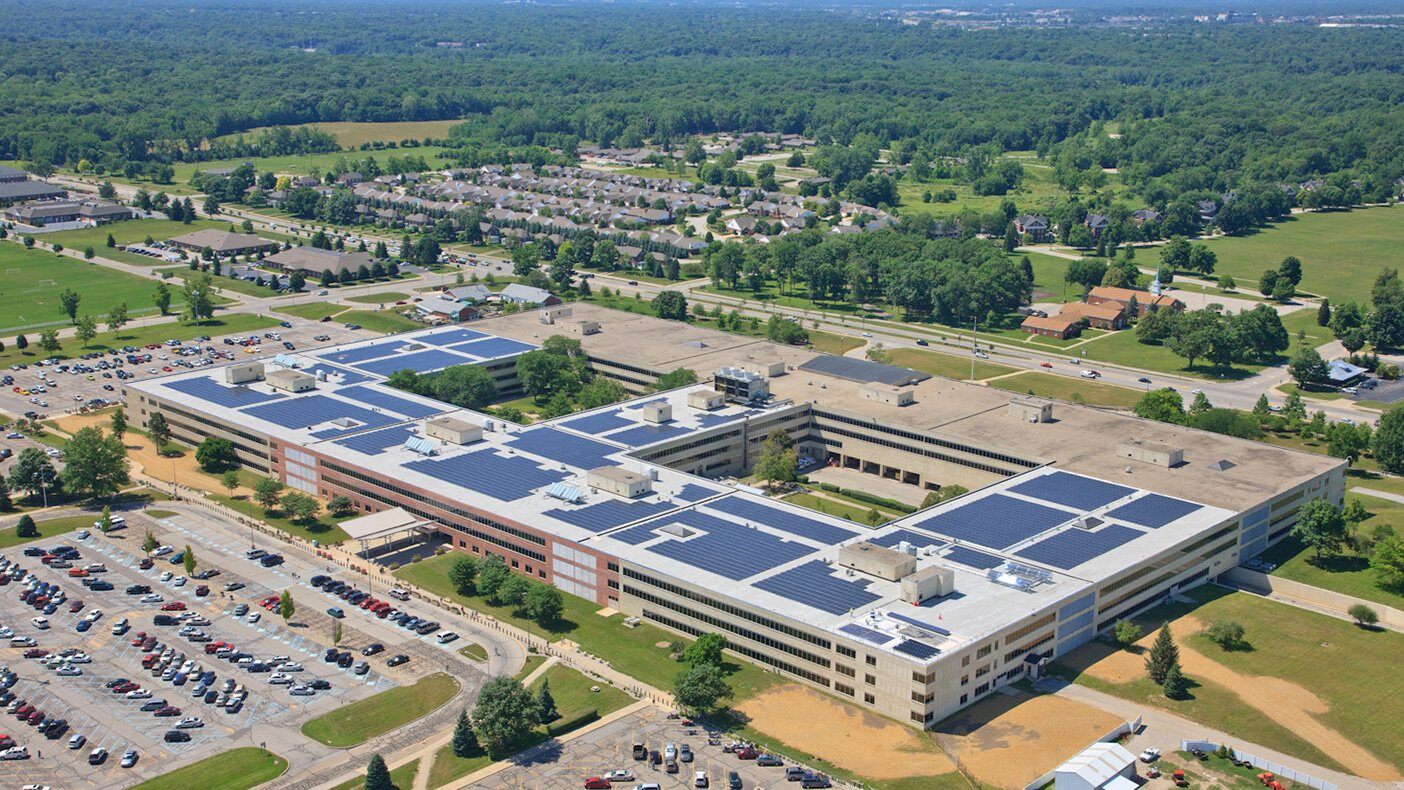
(1153, 510)
(865, 634)
(420, 362)
(918, 539)
(705, 421)
(693, 492)
(340, 375)
(642, 403)
(599, 423)
(1071, 548)
(783, 520)
(374, 442)
(863, 370)
(372, 351)
(567, 448)
(609, 514)
(501, 477)
(935, 629)
(813, 584)
(1062, 488)
(309, 410)
(220, 394)
(384, 400)
(450, 336)
(727, 549)
(647, 434)
(493, 347)
(995, 521)
(971, 558)
(916, 649)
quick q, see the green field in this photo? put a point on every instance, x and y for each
(135, 335)
(225, 284)
(1049, 285)
(360, 721)
(632, 651)
(951, 366)
(830, 343)
(48, 528)
(853, 512)
(1341, 251)
(134, 232)
(1092, 393)
(384, 321)
(324, 530)
(1297, 646)
(352, 133)
(402, 778)
(387, 297)
(1348, 572)
(33, 280)
(473, 651)
(1038, 193)
(312, 311)
(1122, 348)
(236, 769)
(533, 660)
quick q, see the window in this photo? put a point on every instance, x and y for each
(870, 699)
(965, 661)
(735, 611)
(984, 651)
(727, 625)
(964, 698)
(844, 670)
(871, 680)
(917, 696)
(872, 661)
(613, 567)
(846, 651)
(742, 649)
(917, 715)
(918, 677)
(842, 689)
(981, 689)
(982, 671)
(964, 680)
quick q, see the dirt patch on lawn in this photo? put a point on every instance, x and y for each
(1286, 703)
(1011, 739)
(144, 457)
(856, 741)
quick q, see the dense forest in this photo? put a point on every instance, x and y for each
(1193, 107)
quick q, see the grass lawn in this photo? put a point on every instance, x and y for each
(384, 321)
(854, 513)
(224, 283)
(1297, 646)
(402, 778)
(47, 529)
(1122, 348)
(1341, 251)
(533, 660)
(350, 134)
(324, 530)
(632, 651)
(132, 231)
(1303, 322)
(33, 280)
(1049, 285)
(389, 297)
(449, 766)
(236, 769)
(1310, 393)
(300, 164)
(951, 366)
(830, 343)
(1349, 572)
(312, 311)
(133, 335)
(360, 721)
(1092, 393)
(473, 651)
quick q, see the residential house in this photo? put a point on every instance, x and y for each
(743, 224)
(1144, 215)
(350, 179)
(1035, 227)
(1208, 210)
(1097, 223)
(1052, 326)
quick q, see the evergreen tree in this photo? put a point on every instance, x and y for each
(377, 775)
(546, 702)
(465, 741)
(5, 503)
(1164, 654)
(25, 528)
(1323, 313)
(1175, 685)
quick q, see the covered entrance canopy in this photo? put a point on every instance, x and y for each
(385, 526)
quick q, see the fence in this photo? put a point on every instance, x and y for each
(1282, 771)
(1124, 728)
(1327, 599)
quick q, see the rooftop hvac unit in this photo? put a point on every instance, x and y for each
(489, 425)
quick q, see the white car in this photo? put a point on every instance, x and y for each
(1090, 374)
(82, 534)
(77, 741)
(254, 617)
(980, 354)
(290, 666)
(179, 581)
(94, 616)
(6, 632)
(152, 598)
(162, 551)
(139, 694)
(129, 758)
(15, 753)
(190, 723)
(120, 626)
(41, 623)
(68, 671)
(79, 658)
(619, 775)
(165, 576)
(1150, 755)
(280, 679)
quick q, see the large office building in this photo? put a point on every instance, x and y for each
(1075, 517)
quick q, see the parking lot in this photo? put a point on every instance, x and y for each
(611, 748)
(115, 721)
(71, 384)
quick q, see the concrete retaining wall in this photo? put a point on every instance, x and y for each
(1328, 599)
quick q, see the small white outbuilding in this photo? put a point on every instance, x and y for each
(1101, 766)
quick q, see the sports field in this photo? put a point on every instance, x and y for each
(1341, 251)
(31, 281)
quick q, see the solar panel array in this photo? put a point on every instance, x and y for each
(450, 336)
(609, 514)
(783, 520)
(601, 422)
(1153, 510)
(494, 347)
(727, 549)
(647, 434)
(1071, 548)
(865, 634)
(374, 442)
(996, 521)
(862, 370)
(567, 448)
(813, 584)
(1062, 488)
(918, 539)
(501, 477)
(692, 492)
(310, 410)
(342, 375)
(972, 558)
(426, 361)
(351, 356)
(916, 649)
(935, 629)
(384, 400)
(219, 394)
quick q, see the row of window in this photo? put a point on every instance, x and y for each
(741, 649)
(726, 625)
(1167, 559)
(677, 448)
(924, 438)
(735, 611)
(906, 448)
(261, 441)
(1030, 628)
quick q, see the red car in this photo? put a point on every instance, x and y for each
(35, 652)
(23, 711)
(124, 687)
(168, 711)
(35, 717)
(173, 606)
(202, 591)
(596, 783)
(747, 754)
(1045, 364)
(76, 606)
(146, 563)
(77, 572)
(149, 661)
(138, 639)
(367, 603)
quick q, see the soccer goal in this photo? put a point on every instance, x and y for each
(47, 283)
